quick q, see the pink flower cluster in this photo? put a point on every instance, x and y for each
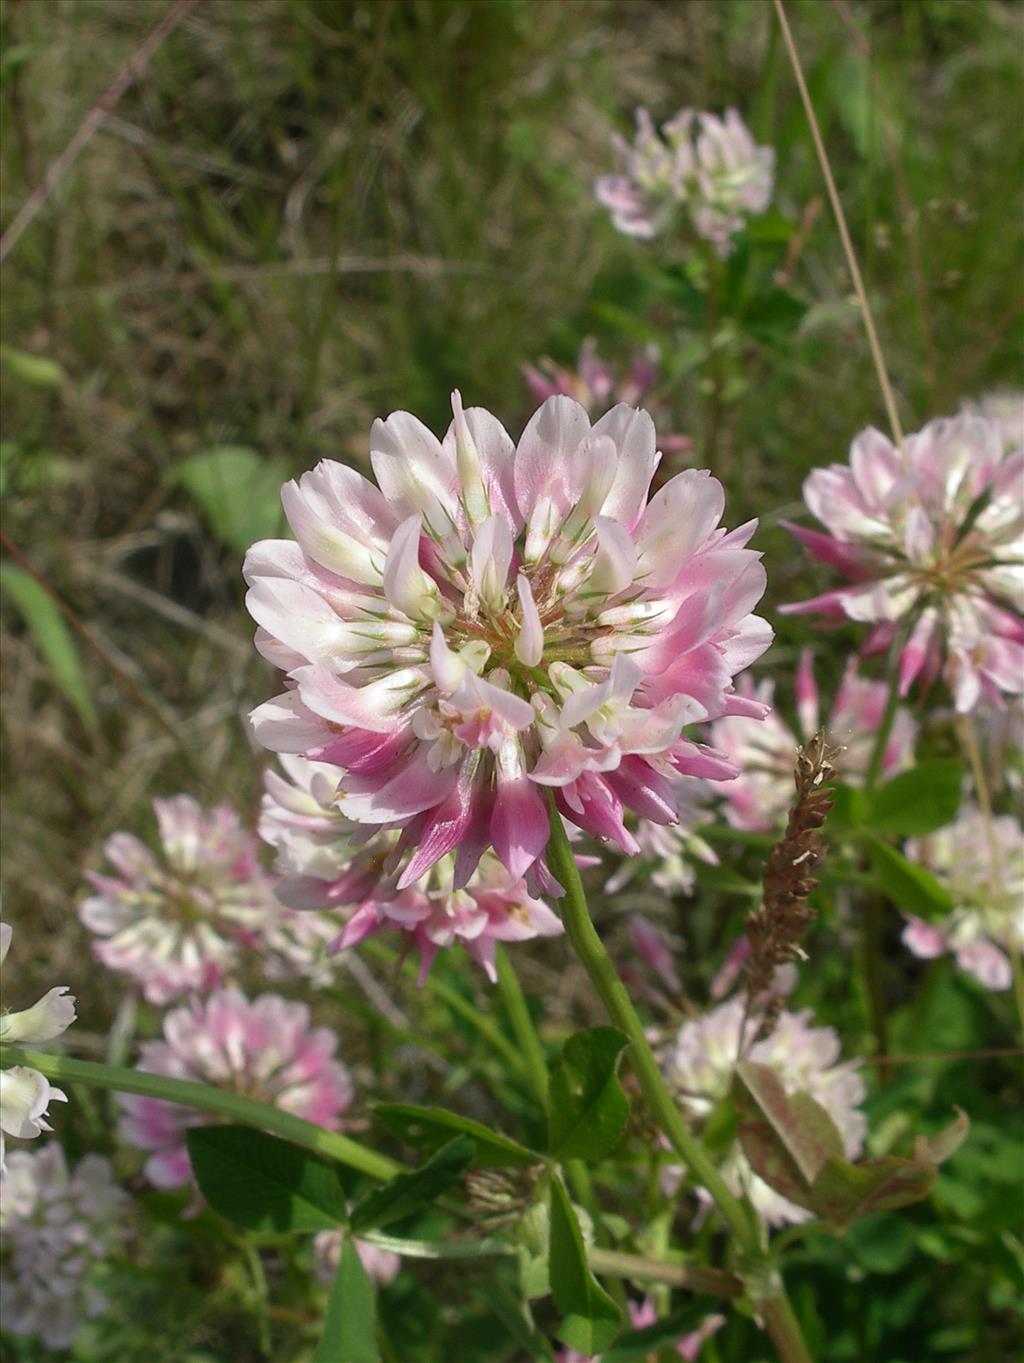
(980, 861)
(327, 861)
(700, 1066)
(180, 921)
(596, 385)
(493, 620)
(57, 1226)
(932, 537)
(264, 1049)
(758, 799)
(176, 923)
(382, 1267)
(709, 165)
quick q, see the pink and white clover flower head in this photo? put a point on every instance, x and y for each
(57, 1227)
(1005, 407)
(329, 863)
(492, 620)
(264, 1049)
(701, 1062)
(176, 921)
(980, 862)
(710, 165)
(596, 385)
(932, 538)
(25, 1094)
(765, 752)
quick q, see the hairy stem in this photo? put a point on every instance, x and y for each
(762, 1281)
(207, 1098)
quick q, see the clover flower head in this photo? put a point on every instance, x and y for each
(932, 538)
(58, 1227)
(177, 922)
(264, 1049)
(979, 861)
(596, 384)
(493, 620)
(710, 165)
(765, 753)
(25, 1094)
(329, 863)
(700, 1066)
(1005, 407)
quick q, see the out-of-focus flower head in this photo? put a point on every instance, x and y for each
(667, 851)
(932, 538)
(981, 863)
(595, 384)
(700, 1066)
(496, 619)
(710, 165)
(644, 1313)
(329, 862)
(380, 1264)
(264, 1049)
(759, 798)
(1006, 408)
(56, 1229)
(25, 1095)
(178, 922)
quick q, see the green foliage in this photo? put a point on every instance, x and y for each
(406, 1194)
(349, 1334)
(431, 1127)
(590, 1318)
(911, 887)
(53, 639)
(792, 1143)
(266, 1184)
(588, 1108)
(238, 492)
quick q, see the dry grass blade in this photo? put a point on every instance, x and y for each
(93, 120)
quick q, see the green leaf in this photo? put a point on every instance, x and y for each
(408, 1193)
(910, 887)
(917, 801)
(589, 1108)
(637, 1346)
(807, 1132)
(53, 639)
(264, 1183)
(590, 1319)
(882, 1243)
(945, 1143)
(238, 492)
(36, 371)
(849, 809)
(349, 1333)
(842, 1192)
(430, 1127)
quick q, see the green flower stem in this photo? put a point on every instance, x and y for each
(763, 1282)
(206, 1098)
(892, 700)
(522, 1025)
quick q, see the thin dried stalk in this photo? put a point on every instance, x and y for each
(776, 928)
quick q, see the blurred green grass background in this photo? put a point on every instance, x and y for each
(306, 213)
